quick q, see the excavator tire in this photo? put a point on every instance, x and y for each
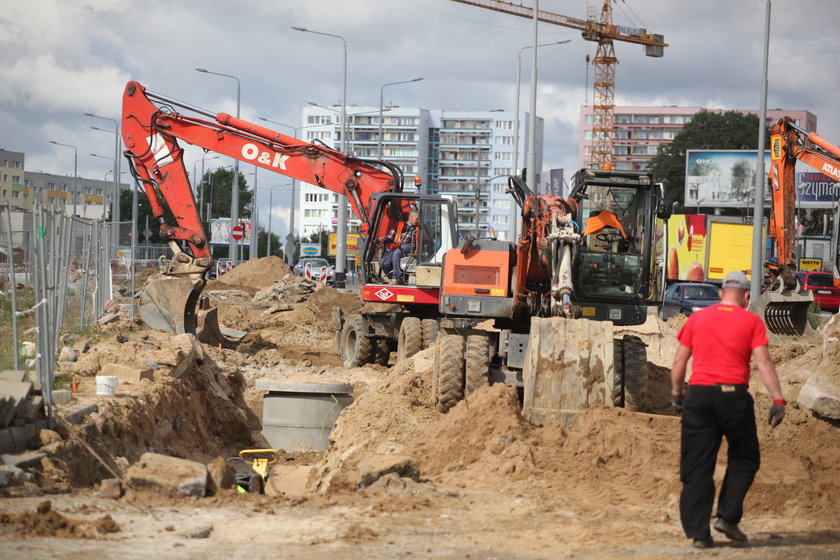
(356, 348)
(410, 338)
(449, 371)
(383, 352)
(477, 362)
(430, 332)
(632, 384)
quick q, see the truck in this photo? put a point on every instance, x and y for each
(705, 248)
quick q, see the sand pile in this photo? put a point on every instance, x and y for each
(199, 416)
(252, 275)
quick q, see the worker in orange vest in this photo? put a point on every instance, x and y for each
(399, 242)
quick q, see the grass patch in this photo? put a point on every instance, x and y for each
(25, 300)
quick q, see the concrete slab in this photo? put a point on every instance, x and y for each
(13, 375)
(62, 396)
(76, 412)
(170, 475)
(17, 391)
(23, 460)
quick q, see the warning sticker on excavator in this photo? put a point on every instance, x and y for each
(588, 311)
(500, 292)
(405, 297)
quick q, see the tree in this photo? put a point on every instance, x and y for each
(217, 191)
(731, 130)
(276, 245)
(144, 212)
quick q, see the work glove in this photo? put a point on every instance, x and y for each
(777, 412)
(677, 403)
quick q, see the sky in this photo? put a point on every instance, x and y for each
(63, 58)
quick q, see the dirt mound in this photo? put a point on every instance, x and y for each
(199, 416)
(47, 522)
(255, 274)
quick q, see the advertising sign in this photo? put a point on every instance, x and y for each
(722, 178)
(352, 244)
(220, 233)
(686, 247)
(816, 190)
(310, 249)
(810, 264)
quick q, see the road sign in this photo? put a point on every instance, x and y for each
(238, 232)
(310, 249)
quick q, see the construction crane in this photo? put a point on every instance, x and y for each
(602, 31)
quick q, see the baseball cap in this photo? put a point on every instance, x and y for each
(736, 279)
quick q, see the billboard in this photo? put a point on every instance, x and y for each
(352, 247)
(310, 249)
(220, 232)
(722, 178)
(816, 190)
(687, 247)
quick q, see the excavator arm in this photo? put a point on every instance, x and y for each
(785, 309)
(787, 145)
(152, 128)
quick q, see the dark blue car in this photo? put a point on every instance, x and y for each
(687, 297)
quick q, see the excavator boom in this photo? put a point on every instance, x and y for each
(785, 309)
(152, 127)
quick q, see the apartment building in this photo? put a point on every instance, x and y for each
(88, 198)
(640, 132)
(463, 155)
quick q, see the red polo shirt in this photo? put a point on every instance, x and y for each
(722, 338)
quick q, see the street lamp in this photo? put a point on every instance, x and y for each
(115, 204)
(75, 171)
(513, 213)
(341, 230)
(234, 192)
(381, 103)
(201, 184)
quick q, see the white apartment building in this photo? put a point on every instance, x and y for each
(463, 155)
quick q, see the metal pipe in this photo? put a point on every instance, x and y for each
(531, 161)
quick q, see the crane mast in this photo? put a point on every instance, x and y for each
(601, 30)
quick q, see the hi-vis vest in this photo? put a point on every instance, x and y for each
(398, 233)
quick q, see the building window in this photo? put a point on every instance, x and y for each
(504, 140)
(504, 156)
(15, 194)
(503, 203)
(504, 125)
(5, 193)
(15, 179)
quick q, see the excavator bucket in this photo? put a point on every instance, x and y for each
(175, 305)
(569, 367)
(785, 312)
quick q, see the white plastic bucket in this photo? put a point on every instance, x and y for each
(106, 384)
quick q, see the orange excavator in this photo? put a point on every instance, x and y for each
(153, 126)
(784, 307)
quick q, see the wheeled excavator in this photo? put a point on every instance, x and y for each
(784, 307)
(554, 296)
(154, 125)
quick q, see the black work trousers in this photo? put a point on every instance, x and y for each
(709, 413)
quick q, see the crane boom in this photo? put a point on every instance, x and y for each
(603, 32)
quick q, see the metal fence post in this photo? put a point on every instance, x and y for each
(13, 281)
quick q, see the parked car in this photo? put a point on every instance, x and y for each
(688, 297)
(826, 295)
(318, 264)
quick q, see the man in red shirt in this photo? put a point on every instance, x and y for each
(722, 338)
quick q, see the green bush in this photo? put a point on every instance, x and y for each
(814, 318)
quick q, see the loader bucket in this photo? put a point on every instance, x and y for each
(174, 304)
(785, 312)
(569, 367)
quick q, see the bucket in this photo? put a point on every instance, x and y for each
(106, 384)
(300, 416)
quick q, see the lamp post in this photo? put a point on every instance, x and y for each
(75, 171)
(253, 250)
(201, 185)
(115, 203)
(757, 276)
(531, 156)
(234, 192)
(513, 213)
(341, 230)
(381, 103)
(293, 209)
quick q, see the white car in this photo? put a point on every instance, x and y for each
(318, 264)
